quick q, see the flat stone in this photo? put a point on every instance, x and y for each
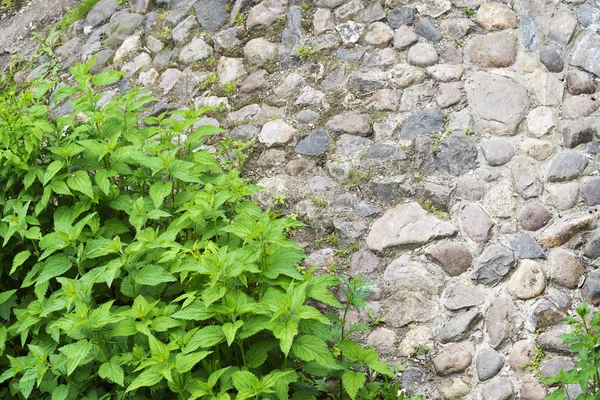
(579, 82)
(449, 94)
(405, 306)
(534, 216)
(567, 165)
(408, 274)
(407, 224)
(579, 106)
(308, 117)
(498, 103)
(230, 69)
(456, 154)
(379, 34)
(382, 339)
(497, 151)
(196, 50)
(260, 51)
(530, 31)
(551, 58)
(100, 12)
(462, 294)
(422, 123)
(493, 265)
(384, 100)
(168, 79)
(555, 365)
(524, 246)
(576, 133)
(363, 262)
(499, 322)
(455, 258)
(183, 30)
(469, 188)
(226, 39)
(365, 82)
(276, 133)
(264, 14)
(548, 88)
(350, 31)
(402, 76)
(291, 85)
(562, 231)
(561, 26)
(292, 37)
(349, 9)
(531, 389)
(211, 14)
(592, 246)
(256, 81)
(309, 96)
(322, 21)
(476, 224)
(525, 177)
(459, 326)
(373, 12)
(587, 52)
(522, 354)
(454, 388)
(496, 16)
(456, 28)
(385, 152)
(540, 150)
(489, 363)
(351, 123)
(445, 72)
(493, 50)
(591, 190)
(422, 55)
(528, 281)
(315, 144)
(453, 359)
(179, 12)
(540, 121)
(433, 8)
(499, 388)
(400, 16)
(546, 314)
(427, 30)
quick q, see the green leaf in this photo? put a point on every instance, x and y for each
(19, 259)
(229, 330)
(283, 261)
(112, 371)
(60, 393)
(159, 191)
(54, 266)
(246, 383)
(205, 338)
(258, 353)
(101, 178)
(76, 354)
(285, 332)
(107, 78)
(81, 182)
(149, 377)
(309, 348)
(185, 362)
(353, 381)
(60, 187)
(557, 395)
(153, 275)
(196, 311)
(51, 170)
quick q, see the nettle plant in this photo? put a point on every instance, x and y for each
(135, 266)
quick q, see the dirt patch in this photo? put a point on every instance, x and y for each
(15, 30)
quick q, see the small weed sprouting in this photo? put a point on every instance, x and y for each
(333, 239)
(230, 87)
(319, 201)
(304, 51)
(279, 199)
(239, 18)
(469, 132)
(469, 12)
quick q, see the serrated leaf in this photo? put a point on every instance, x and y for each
(257, 353)
(245, 380)
(353, 381)
(185, 362)
(107, 78)
(101, 178)
(76, 353)
(196, 311)
(112, 371)
(159, 191)
(285, 332)
(149, 377)
(60, 187)
(312, 348)
(81, 182)
(19, 259)
(283, 261)
(51, 170)
(60, 393)
(54, 266)
(205, 338)
(153, 275)
(229, 330)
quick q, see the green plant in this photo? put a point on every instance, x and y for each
(77, 13)
(333, 239)
(469, 12)
(583, 341)
(305, 51)
(230, 87)
(438, 212)
(319, 201)
(165, 32)
(536, 361)
(239, 18)
(134, 265)
(469, 132)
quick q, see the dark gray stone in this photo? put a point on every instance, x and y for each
(494, 264)
(567, 165)
(439, 195)
(100, 12)
(315, 144)
(525, 247)
(101, 60)
(489, 363)
(423, 160)
(545, 314)
(427, 30)
(530, 29)
(162, 59)
(350, 230)
(351, 55)
(459, 326)
(364, 209)
(456, 154)
(588, 15)
(590, 291)
(551, 58)
(244, 132)
(365, 82)
(211, 14)
(401, 16)
(591, 191)
(412, 378)
(385, 152)
(388, 188)
(422, 123)
(335, 79)
(179, 12)
(592, 247)
(577, 132)
(292, 37)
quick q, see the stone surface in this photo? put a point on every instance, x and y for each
(498, 103)
(276, 133)
(493, 50)
(489, 362)
(525, 246)
(576, 133)
(427, 30)
(531, 389)
(493, 265)
(315, 144)
(496, 16)
(547, 88)
(259, 51)
(525, 177)
(422, 123)
(540, 121)
(459, 326)
(521, 354)
(534, 216)
(351, 123)
(452, 359)
(400, 16)
(462, 295)
(422, 55)
(497, 151)
(476, 223)
(196, 50)
(551, 58)
(499, 321)
(379, 34)
(591, 190)
(579, 82)
(456, 154)
(528, 281)
(563, 230)
(567, 165)
(407, 225)
(455, 258)
(499, 388)
(561, 26)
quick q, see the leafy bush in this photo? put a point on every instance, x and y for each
(583, 341)
(134, 265)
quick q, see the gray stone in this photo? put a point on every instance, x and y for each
(588, 15)
(255, 82)
(534, 216)
(587, 52)
(546, 314)
(445, 72)
(401, 16)
(590, 291)
(433, 8)
(438, 195)
(422, 123)
(350, 147)
(577, 132)
(196, 50)
(469, 188)
(385, 152)
(547, 87)
(307, 117)
(551, 58)
(456, 154)
(565, 269)
(322, 21)
(184, 29)
(102, 58)
(211, 14)
(351, 123)
(455, 258)
(499, 388)
(244, 132)
(347, 10)
(276, 133)
(555, 365)
(351, 55)
(494, 264)
(291, 85)
(476, 224)
(382, 339)
(540, 121)
(335, 79)
(407, 225)
(531, 389)
(383, 58)
(309, 97)
(350, 230)
(579, 106)
(404, 37)
(412, 377)
(230, 69)
(427, 30)
(379, 34)
(387, 189)
(405, 306)
(373, 12)
(498, 103)
(493, 50)
(260, 51)
(363, 262)
(489, 363)
(449, 94)
(179, 12)
(366, 82)
(591, 191)
(528, 281)
(561, 26)
(462, 294)
(169, 79)
(452, 359)
(384, 100)
(550, 340)
(497, 151)
(422, 55)
(459, 326)
(100, 12)
(291, 38)
(456, 28)
(530, 30)
(525, 177)
(350, 31)
(499, 322)
(567, 165)
(264, 14)
(315, 144)
(226, 40)
(405, 273)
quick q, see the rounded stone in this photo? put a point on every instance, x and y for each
(453, 359)
(382, 339)
(531, 389)
(454, 258)
(565, 268)
(494, 50)
(276, 133)
(521, 354)
(489, 363)
(534, 216)
(528, 281)
(499, 388)
(496, 16)
(379, 34)
(260, 51)
(497, 151)
(551, 58)
(455, 388)
(422, 55)
(554, 365)
(540, 121)
(591, 191)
